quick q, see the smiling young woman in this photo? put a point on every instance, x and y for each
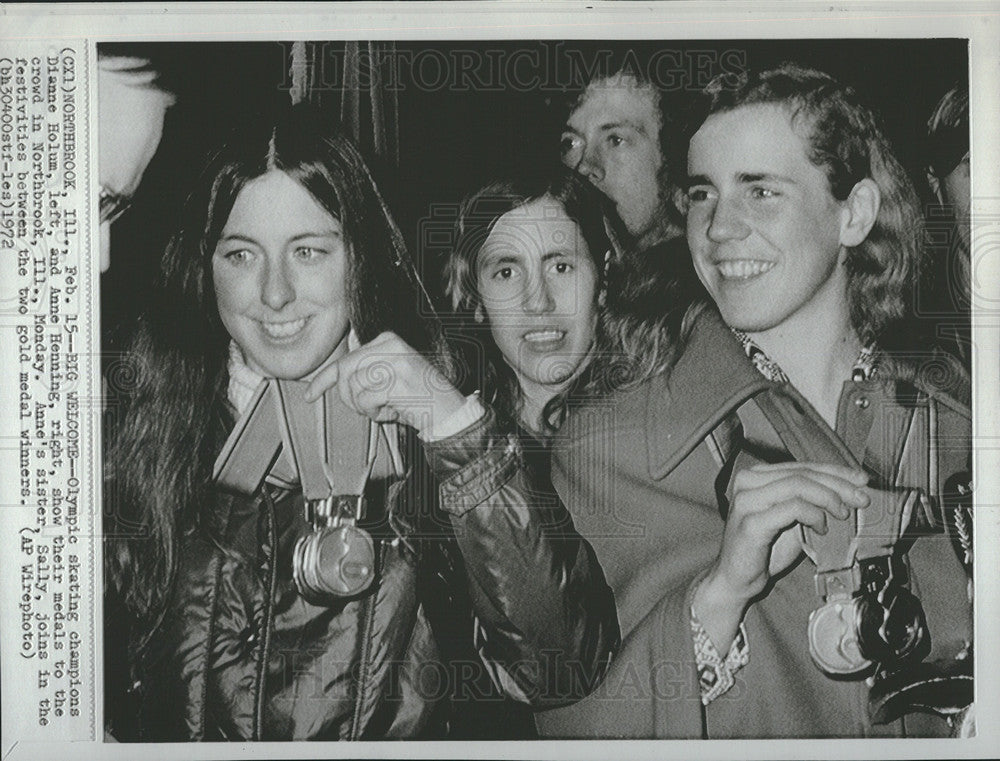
(284, 250)
(764, 471)
(288, 267)
(279, 272)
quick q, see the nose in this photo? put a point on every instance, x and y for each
(277, 290)
(591, 164)
(538, 297)
(727, 222)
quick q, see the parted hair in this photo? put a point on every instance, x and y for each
(478, 215)
(176, 412)
(846, 141)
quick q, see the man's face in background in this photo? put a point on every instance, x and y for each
(612, 137)
(131, 110)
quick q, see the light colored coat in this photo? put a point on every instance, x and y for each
(640, 474)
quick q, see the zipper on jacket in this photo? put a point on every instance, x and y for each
(259, 700)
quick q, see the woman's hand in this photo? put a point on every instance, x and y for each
(389, 382)
(762, 537)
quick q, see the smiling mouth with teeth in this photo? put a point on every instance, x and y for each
(540, 336)
(743, 269)
(283, 329)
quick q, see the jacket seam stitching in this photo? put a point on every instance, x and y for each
(367, 623)
(490, 482)
(258, 718)
(490, 459)
(209, 644)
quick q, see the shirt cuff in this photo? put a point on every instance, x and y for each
(716, 675)
(459, 420)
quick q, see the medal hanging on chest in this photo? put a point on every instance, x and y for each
(868, 617)
(332, 450)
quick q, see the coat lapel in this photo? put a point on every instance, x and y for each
(712, 378)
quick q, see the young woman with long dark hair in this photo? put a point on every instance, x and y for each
(243, 618)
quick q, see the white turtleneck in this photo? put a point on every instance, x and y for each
(243, 381)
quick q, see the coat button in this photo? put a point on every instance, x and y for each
(862, 402)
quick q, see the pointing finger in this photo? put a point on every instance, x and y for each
(325, 378)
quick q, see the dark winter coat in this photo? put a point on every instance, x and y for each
(485, 592)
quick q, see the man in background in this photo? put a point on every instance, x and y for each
(132, 104)
(616, 137)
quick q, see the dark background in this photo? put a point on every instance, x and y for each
(469, 112)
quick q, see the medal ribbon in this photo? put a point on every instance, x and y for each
(332, 449)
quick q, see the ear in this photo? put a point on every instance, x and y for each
(860, 211)
(679, 199)
(479, 315)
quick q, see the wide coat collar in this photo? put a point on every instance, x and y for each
(711, 379)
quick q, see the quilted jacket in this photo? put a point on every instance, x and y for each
(484, 598)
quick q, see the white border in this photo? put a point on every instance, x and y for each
(599, 19)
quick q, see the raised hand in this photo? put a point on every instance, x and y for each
(389, 381)
(762, 536)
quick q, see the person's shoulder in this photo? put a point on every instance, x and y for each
(624, 404)
(710, 366)
(934, 374)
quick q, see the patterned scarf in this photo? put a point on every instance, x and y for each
(865, 366)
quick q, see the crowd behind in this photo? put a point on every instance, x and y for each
(678, 464)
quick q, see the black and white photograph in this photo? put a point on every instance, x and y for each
(462, 243)
(489, 390)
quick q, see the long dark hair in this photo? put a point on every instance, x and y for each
(177, 415)
(478, 215)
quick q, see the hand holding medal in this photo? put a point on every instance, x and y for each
(388, 381)
(329, 433)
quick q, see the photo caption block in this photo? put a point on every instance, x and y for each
(50, 407)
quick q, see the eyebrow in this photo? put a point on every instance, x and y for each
(295, 238)
(620, 124)
(236, 237)
(330, 233)
(764, 177)
(490, 260)
(607, 126)
(743, 178)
